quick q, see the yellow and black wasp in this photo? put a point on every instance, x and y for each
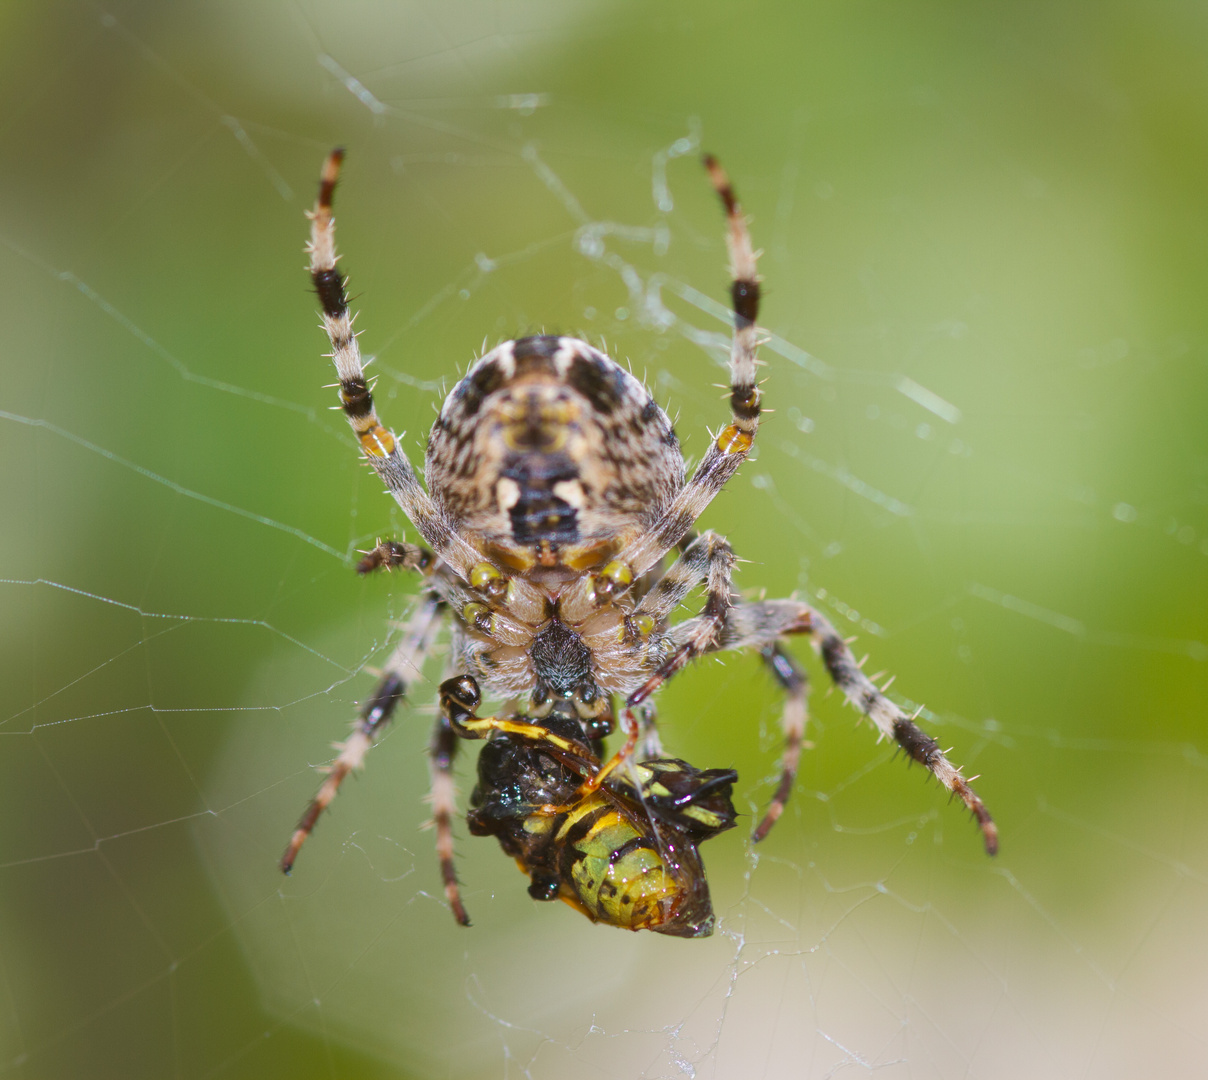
(620, 846)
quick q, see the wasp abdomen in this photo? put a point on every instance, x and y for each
(624, 855)
(625, 878)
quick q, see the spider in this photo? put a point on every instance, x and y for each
(555, 491)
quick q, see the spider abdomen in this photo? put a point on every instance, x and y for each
(552, 456)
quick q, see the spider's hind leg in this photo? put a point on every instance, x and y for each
(762, 624)
(791, 676)
(441, 751)
(404, 665)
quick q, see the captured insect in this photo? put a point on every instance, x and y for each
(555, 493)
(624, 852)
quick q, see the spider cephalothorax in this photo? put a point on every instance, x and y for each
(556, 492)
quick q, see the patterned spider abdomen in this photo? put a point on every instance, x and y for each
(552, 457)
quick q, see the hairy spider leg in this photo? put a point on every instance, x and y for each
(793, 680)
(356, 398)
(762, 624)
(731, 446)
(442, 749)
(405, 664)
(707, 560)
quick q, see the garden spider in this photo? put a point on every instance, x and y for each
(555, 490)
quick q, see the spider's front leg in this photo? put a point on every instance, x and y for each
(356, 396)
(731, 446)
(378, 444)
(761, 625)
(708, 558)
(404, 664)
(634, 566)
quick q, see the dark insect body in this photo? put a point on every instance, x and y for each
(556, 493)
(626, 854)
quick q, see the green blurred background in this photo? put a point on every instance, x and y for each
(985, 235)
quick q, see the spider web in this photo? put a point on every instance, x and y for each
(984, 249)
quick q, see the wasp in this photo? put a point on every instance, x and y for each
(622, 851)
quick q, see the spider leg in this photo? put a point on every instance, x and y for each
(441, 751)
(707, 559)
(404, 664)
(442, 748)
(759, 625)
(391, 554)
(729, 449)
(791, 676)
(651, 742)
(356, 399)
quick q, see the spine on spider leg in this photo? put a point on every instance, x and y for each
(895, 724)
(375, 714)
